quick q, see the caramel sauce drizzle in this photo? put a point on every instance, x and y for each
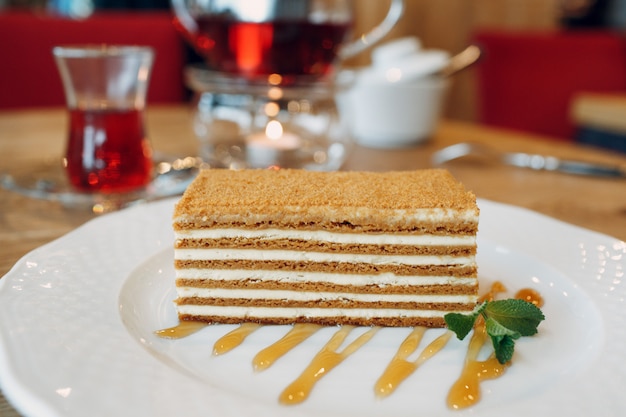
(400, 368)
(234, 338)
(463, 393)
(325, 360)
(182, 329)
(466, 390)
(298, 333)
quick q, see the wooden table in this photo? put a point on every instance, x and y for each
(30, 140)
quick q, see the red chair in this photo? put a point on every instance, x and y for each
(28, 73)
(526, 80)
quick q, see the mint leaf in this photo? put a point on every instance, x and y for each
(516, 315)
(502, 338)
(462, 324)
(503, 347)
(495, 328)
(505, 322)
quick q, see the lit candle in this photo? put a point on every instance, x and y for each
(272, 147)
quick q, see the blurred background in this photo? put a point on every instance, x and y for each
(552, 67)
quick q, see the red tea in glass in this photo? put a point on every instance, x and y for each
(285, 47)
(105, 88)
(108, 150)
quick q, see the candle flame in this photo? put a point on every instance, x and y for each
(274, 130)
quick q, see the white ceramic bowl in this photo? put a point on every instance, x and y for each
(394, 115)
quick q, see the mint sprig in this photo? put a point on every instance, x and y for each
(505, 322)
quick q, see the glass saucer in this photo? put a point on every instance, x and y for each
(48, 182)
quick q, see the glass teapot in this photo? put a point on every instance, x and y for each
(252, 39)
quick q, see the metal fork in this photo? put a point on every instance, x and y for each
(526, 160)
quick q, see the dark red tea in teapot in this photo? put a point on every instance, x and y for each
(253, 49)
(295, 39)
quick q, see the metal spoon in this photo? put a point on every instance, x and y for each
(462, 60)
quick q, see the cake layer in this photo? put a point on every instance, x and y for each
(186, 276)
(306, 281)
(238, 296)
(346, 238)
(468, 286)
(427, 201)
(320, 246)
(229, 254)
(402, 221)
(323, 316)
(352, 306)
(334, 267)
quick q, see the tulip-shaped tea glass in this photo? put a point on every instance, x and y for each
(105, 90)
(108, 162)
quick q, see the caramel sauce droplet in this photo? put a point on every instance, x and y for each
(399, 368)
(496, 288)
(466, 390)
(299, 333)
(234, 338)
(182, 329)
(325, 360)
(530, 295)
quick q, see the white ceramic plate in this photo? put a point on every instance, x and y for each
(77, 318)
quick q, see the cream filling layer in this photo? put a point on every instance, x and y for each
(306, 256)
(293, 313)
(319, 277)
(184, 292)
(325, 236)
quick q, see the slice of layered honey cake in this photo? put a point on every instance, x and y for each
(362, 248)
